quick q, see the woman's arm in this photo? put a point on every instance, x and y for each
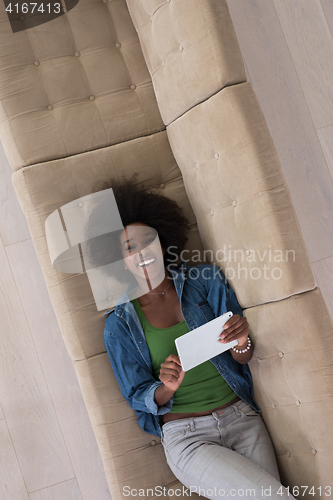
(222, 298)
(137, 383)
(162, 395)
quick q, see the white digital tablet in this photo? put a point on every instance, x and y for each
(201, 344)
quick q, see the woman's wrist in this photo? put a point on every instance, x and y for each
(244, 344)
(163, 394)
(242, 352)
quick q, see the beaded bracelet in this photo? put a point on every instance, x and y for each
(249, 343)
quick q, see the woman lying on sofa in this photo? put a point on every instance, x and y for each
(211, 430)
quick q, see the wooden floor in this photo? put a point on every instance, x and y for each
(47, 447)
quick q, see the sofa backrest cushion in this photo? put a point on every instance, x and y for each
(76, 84)
(190, 48)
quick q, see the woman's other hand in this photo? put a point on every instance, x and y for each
(172, 373)
(236, 327)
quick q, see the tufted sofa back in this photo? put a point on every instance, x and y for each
(77, 83)
(91, 96)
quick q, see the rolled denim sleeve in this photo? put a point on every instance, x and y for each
(150, 401)
(136, 381)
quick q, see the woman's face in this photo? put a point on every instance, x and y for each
(143, 255)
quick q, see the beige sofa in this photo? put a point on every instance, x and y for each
(159, 87)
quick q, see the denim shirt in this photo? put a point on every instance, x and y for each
(204, 294)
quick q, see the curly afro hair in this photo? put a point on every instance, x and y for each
(137, 204)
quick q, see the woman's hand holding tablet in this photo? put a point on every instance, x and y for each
(202, 343)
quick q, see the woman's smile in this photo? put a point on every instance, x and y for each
(146, 262)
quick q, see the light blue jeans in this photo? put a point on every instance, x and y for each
(226, 454)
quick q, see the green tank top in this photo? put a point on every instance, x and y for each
(203, 388)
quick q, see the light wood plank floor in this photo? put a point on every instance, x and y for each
(68, 489)
(48, 450)
(12, 484)
(326, 141)
(30, 415)
(310, 43)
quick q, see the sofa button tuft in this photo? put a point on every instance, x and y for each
(77, 53)
(118, 45)
(37, 63)
(50, 107)
(274, 406)
(234, 203)
(153, 442)
(298, 403)
(181, 48)
(212, 212)
(92, 98)
(281, 354)
(162, 186)
(133, 87)
(288, 454)
(217, 156)
(313, 451)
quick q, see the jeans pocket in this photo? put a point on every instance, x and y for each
(173, 434)
(247, 410)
